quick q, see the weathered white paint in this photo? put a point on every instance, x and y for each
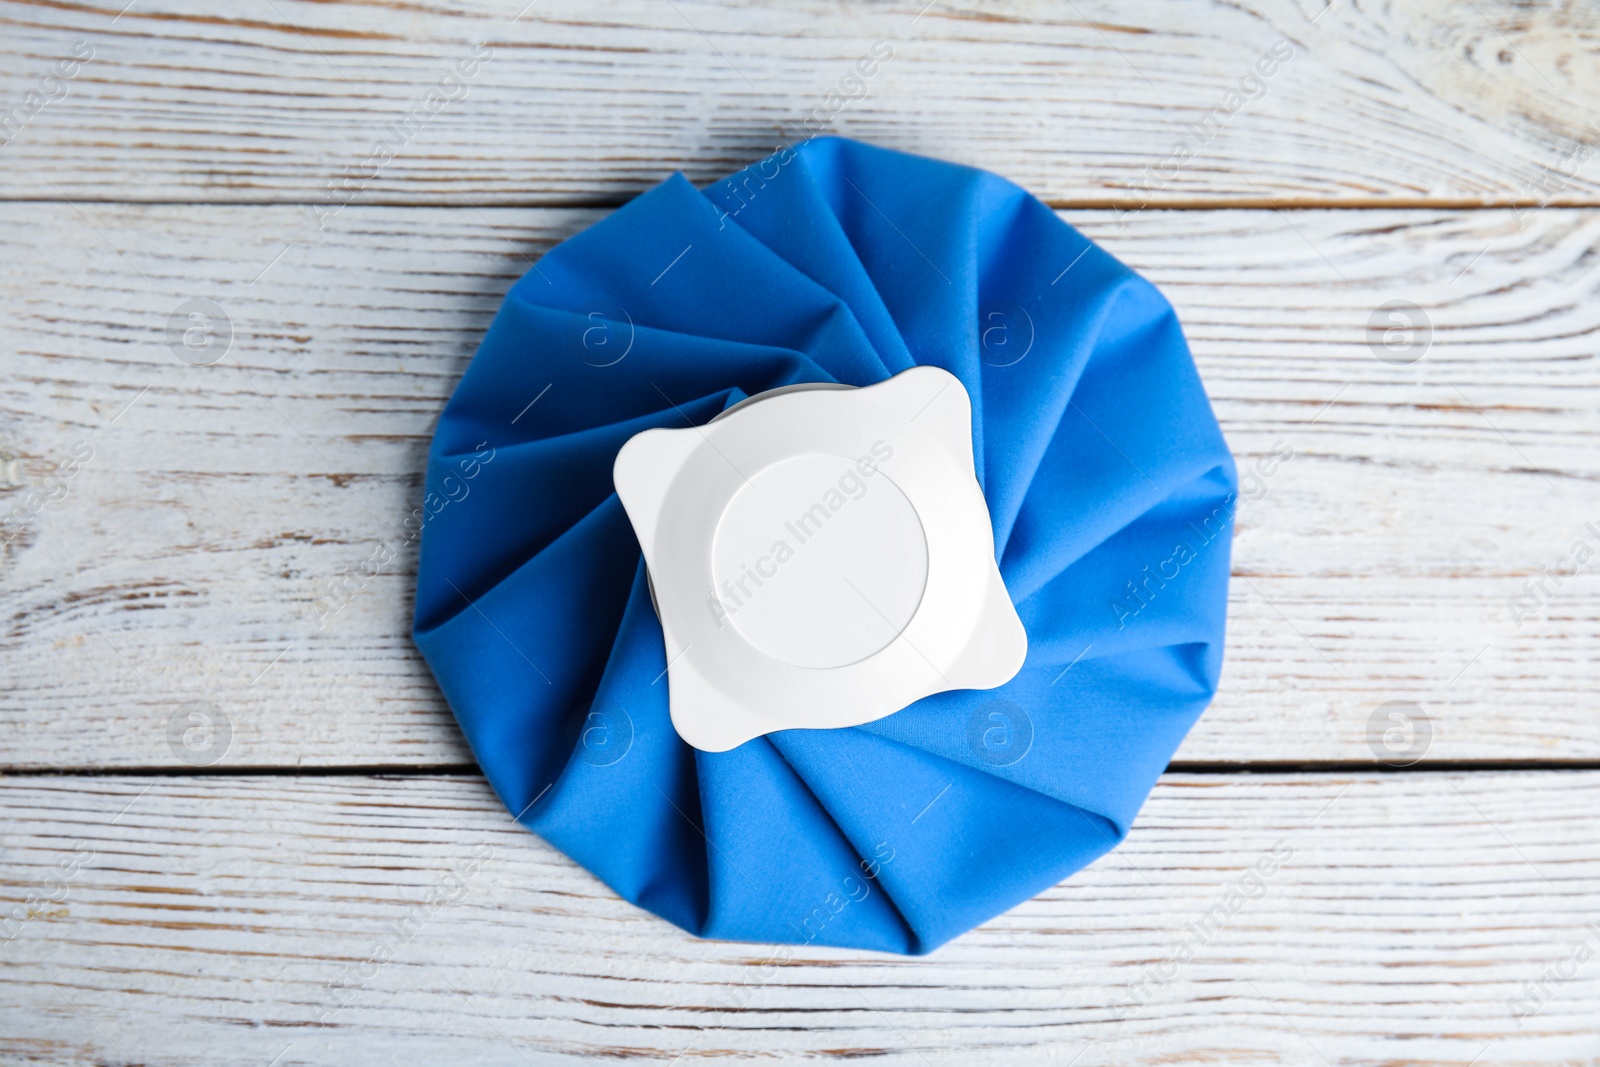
(1085, 102)
(204, 508)
(186, 559)
(214, 921)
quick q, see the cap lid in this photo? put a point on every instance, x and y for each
(820, 557)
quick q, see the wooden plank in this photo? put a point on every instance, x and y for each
(1415, 918)
(1382, 562)
(1470, 101)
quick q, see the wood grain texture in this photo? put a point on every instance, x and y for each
(229, 921)
(1467, 101)
(168, 530)
(187, 556)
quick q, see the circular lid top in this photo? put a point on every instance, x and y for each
(825, 567)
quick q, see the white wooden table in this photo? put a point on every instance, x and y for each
(168, 529)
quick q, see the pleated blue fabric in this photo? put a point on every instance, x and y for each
(1108, 481)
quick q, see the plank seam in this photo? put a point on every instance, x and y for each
(467, 770)
(1129, 202)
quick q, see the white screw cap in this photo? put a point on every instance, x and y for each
(820, 557)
